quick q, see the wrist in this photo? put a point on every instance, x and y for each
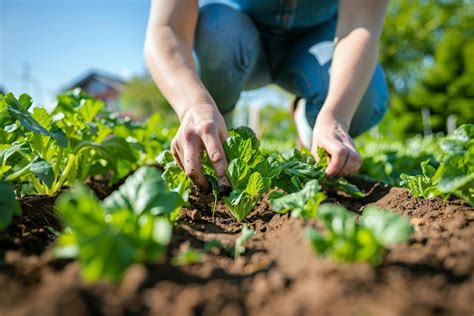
(333, 116)
(199, 107)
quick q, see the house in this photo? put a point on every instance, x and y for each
(102, 86)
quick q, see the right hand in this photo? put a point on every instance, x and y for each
(202, 128)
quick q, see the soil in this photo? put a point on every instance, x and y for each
(277, 275)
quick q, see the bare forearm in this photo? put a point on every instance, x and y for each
(355, 56)
(171, 65)
(354, 61)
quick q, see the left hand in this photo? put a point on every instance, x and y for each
(332, 135)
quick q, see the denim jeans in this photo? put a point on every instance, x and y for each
(234, 53)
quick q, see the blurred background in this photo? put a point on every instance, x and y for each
(49, 46)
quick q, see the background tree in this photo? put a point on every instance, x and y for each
(427, 55)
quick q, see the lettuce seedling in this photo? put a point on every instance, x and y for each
(454, 176)
(303, 203)
(423, 185)
(242, 202)
(301, 167)
(245, 236)
(457, 168)
(174, 177)
(345, 240)
(187, 257)
(131, 225)
(239, 246)
(249, 172)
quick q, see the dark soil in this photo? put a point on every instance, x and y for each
(278, 274)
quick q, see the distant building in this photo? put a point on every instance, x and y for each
(101, 86)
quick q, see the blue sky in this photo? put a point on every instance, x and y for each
(62, 39)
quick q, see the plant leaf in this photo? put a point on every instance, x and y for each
(144, 191)
(9, 206)
(245, 236)
(387, 227)
(43, 170)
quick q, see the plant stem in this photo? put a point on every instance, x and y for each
(58, 162)
(19, 173)
(70, 163)
(40, 188)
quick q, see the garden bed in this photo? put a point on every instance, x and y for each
(277, 275)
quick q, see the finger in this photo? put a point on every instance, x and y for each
(216, 153)
(353, 163)
(212, 143)
(192, 163)
(314, 151)
(337, 157)
(223, 135)
(175, 152)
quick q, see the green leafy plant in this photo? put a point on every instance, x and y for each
(174, 177)
(187, 257)
(457, 168)
(50, 151)
(303, 203)
(245, 236)
(239, 246)
(345, 240)
(131, 225)
(301, 167)
(385, 158)
(41, 152)
(249, 172)
(455, 175)
(252, 173)
(423, 185)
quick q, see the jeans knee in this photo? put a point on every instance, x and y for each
(225, 47)
(224, 36)
(220, 32)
